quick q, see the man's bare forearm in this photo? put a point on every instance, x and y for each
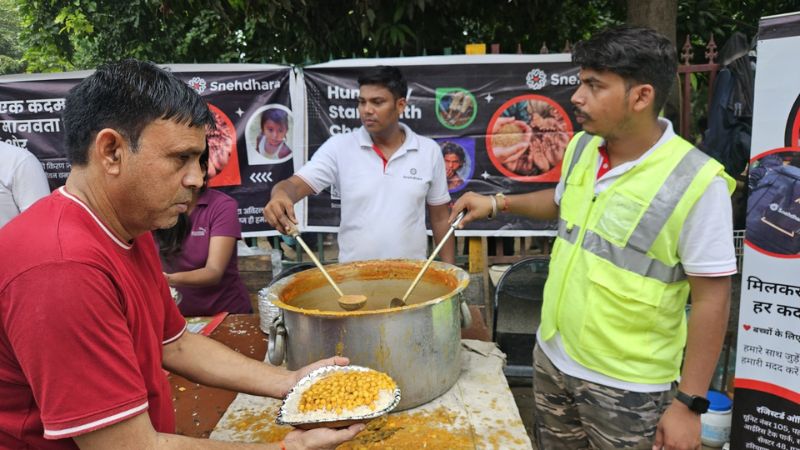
(708, 322)
(289, 188)
(439, 226)
(208, 362)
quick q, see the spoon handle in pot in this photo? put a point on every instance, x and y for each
(293, 232)
(433, 255)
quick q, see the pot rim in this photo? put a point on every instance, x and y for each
(461, 276)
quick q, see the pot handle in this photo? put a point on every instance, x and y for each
(276, 347)
(466, 316)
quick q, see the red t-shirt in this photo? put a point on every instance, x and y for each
(83, 319)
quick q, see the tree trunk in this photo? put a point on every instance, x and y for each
(662, 16)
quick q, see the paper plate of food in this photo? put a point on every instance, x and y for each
(338, 396)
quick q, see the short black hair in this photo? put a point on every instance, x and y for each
(389, 77)
(276, 115)
(637, 54)
(449, 148)
(127, 96)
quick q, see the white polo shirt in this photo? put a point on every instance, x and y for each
(22, 181)
(383, 207)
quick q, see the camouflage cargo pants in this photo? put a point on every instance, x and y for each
(573, 414)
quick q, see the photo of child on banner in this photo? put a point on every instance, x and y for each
(459, 157)
(267, 135)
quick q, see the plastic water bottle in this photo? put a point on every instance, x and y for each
(717, 421)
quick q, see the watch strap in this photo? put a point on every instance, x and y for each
(695, 403)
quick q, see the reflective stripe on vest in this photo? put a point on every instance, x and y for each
(633, 257)
(666, 200)
(569, 234)
(583, 141)
(632, 260)
(623, 257)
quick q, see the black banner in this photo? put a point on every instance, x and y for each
(30, 117)
(510, 115)
(246, 102)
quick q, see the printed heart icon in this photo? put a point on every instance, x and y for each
(746, 327)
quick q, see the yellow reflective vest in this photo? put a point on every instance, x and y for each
(616, 290)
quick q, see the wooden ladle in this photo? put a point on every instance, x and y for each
(349, 302)
(400, 302)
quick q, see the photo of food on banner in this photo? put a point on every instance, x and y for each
(223, 161)
(527, 137)
(773, 206)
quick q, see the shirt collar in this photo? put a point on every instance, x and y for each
(668, 134)
(117, 240)
(411, 142)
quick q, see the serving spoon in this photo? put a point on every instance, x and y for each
(400, 302)
(349, 302)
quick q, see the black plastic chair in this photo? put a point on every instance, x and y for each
(517, 312)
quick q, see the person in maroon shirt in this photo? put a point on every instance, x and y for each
(86, 319)
(199, 254)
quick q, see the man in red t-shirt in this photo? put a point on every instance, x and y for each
(86, 318)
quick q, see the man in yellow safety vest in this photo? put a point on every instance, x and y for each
(644, 218)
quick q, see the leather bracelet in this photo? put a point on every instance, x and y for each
(493, 214)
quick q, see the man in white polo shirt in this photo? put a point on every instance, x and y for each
(386, 175)
(22, 181)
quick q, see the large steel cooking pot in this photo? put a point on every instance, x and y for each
(417, 345)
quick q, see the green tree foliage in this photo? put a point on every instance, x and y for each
(10, 50)
(724, 17)
(79, 34)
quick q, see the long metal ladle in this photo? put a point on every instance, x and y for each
(399, 303)
(347, 302)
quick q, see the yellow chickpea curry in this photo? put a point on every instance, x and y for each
(379, 281)
(346, 391)
(336, 396)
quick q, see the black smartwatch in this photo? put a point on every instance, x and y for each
(695, 403)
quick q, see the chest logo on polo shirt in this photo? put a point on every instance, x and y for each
(200, 231)
(413, 175)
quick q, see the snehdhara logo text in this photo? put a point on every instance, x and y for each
(537, 79)
(250, 84)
